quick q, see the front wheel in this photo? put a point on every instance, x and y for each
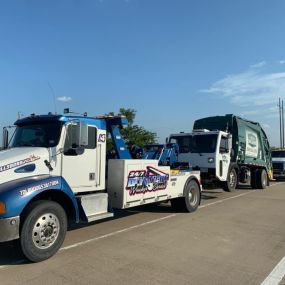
(232, 180)
(191, 200)
(43, 230)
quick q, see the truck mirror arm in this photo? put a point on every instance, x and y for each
(80, 150)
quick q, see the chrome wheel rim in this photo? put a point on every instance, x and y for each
(192, 196)
(232, 181)
(45, 231)
(264, 180)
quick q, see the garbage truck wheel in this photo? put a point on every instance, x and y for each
(261, 178)
(231, 184)
(253, 177)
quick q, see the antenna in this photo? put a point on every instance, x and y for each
(53, 94)
(19, 115)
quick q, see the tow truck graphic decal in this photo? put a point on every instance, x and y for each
(151, 179)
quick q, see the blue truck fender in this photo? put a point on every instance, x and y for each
(17, 194)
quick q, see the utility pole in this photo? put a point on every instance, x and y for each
(281, 123)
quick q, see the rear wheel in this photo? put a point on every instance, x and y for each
(261, 178)
(231, 184)
(253, 181)
(191, 200)
(43, 230)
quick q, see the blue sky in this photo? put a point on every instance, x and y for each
(173, 61)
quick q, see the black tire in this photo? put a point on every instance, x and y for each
(232, 181)
(43, 230)
(253, 179)
(261, 179)
(178, 204)
(191, 200)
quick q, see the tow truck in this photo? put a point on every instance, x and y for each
(54, 171)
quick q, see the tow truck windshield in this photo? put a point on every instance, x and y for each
(37, 135)
(196, 143)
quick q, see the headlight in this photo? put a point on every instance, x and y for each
(211, 160)
(2, 208)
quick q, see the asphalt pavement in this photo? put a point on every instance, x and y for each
(233, 238)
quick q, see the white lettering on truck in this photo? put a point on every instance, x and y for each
(42, 186)
(18, 163)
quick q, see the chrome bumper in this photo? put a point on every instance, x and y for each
(9, 228)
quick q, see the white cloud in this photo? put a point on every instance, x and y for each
(282, 61)
(252, 112)
(64, 99)
(269, 112)
(250, 88)
(258, 64)
(254, 94)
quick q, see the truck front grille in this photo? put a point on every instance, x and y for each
(278, 166)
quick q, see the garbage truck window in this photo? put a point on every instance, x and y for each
(196, 143)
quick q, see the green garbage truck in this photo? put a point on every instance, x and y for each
(228, 150)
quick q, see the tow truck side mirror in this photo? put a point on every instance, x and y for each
(77, 139)
(83, 134)
(82, 138)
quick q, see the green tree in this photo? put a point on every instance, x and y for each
(133, 134)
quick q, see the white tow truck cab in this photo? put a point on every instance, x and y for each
(55, 168)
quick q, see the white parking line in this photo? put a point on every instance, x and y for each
(277, 183)
(223, 200)
(18, 262)
(138, 226)
(276, 274)
(145, 224)
(240, 195)
(117, 232)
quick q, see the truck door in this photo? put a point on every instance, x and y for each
(223, 157)
(78, 168)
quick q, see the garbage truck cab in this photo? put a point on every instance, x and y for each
(208, 151)
(228, 150)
